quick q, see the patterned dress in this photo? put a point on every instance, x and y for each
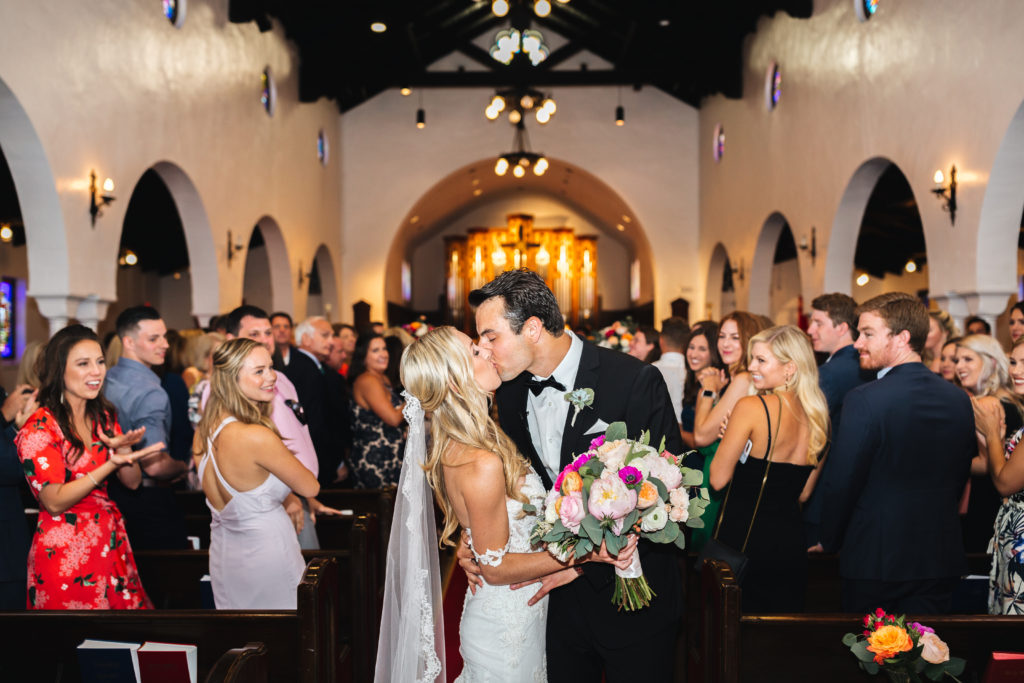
(80, 559)
(1006, 581)
(377, 447)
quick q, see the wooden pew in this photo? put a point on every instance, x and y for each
(301, 644)
(247, 664)
(789, 647)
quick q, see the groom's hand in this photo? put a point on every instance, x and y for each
(468, 564)
(548, 583)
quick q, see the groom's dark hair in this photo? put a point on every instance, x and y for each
(525, 295)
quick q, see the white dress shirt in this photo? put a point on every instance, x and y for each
(672, 365)
(547, 411)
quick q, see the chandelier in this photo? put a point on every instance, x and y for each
(519, 102)
(521, 159)
(510, 42)
(541, 8)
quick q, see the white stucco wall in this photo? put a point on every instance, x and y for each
(923, 84)
(112, 86)
(651, 162)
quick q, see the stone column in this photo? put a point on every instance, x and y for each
(58, 309)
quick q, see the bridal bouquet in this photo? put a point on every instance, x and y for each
(617, 335)
(619, 487)
(904, 651)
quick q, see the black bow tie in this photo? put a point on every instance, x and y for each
(539, 385)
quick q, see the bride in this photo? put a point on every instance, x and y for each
(481, 483)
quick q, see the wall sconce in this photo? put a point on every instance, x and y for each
(738, 272)
(233, 248)
(303, 275)
(812, 247)
(947, 194)
(97, 203)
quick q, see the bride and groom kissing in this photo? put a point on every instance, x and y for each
(568, 628)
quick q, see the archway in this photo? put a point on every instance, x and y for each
(47, 277)
(775, 286)
(720, 293)
(267, 279)
(475, 186)
(998, 225)
(322, 290)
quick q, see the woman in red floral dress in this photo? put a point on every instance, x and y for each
(80, 556)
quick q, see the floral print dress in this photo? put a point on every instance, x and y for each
(80, 559)
(1006, 581)
(377, 447)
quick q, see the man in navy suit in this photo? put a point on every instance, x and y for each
(833, 329)
(900, 461)
(518, 320)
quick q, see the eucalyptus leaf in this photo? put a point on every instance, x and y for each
(596, 468)
(691, 477)
(681, 541)
(579, 551)
(614, 543)
(630, 520)
(529, 508)
(660, 485)
(849, 639)
(955, 665)
(695, 523)
(615, 431)
(871, 667)
(592, 528)
(861, 652)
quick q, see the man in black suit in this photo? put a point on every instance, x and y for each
(833, 329)
(899, 465)
(518, 320)
(281, 324)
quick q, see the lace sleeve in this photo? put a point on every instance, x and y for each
(492, 558)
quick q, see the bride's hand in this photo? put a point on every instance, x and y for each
(468, 563)
(621, 561)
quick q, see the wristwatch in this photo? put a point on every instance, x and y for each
(707, 393)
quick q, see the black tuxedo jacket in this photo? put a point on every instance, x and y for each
(325, 408)
(899, 465)
(629, 391)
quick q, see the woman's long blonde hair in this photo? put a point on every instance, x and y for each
(790, 344)
(437, 370)
(995, 377)
(226, 398)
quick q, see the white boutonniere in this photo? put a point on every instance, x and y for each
(580, 399)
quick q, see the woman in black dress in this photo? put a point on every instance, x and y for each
(378, 434)
(768, 457)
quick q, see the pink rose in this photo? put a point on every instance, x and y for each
(572, 511)
(611, 499)
(678, 513)
(679, 498)
(935, 651)
(613, 453)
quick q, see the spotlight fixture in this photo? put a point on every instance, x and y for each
(911, 266)
(620, 116)
(521, 159)
(541, 8)
(862, 279)
(378, 27)
(405, 90)
(499, 7)
(6, 233)
(948, 193)
(98, 202)
(421, 118)
(127, 258)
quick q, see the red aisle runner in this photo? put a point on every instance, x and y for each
(454, 595)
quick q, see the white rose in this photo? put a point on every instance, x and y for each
(668, 473)
(550, 515)
(613, 453)
(656, 519)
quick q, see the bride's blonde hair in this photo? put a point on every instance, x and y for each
(438, 370)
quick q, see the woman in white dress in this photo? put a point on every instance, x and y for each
(246, 472)
(481, 483)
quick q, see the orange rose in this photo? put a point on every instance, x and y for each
(648, 495)
(889, 641)
(572, 482)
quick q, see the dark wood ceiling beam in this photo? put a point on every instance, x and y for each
(535, 77)
(560, 55)
(478, 55)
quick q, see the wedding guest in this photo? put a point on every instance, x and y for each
(255, 559)
(720, 390)
(81, 557)
(784, 429)
(346, 341)
(284, 345)
(196, 356)
(900, 461)
(672, 363)
(977, 325)
(941, 329)
(112, 351)
(395, 347)
(644, 344)
(947, 361)
(1017, 321)
(1006, 468)
(378, 438)
(15, 409)
(152, 515)
(701, 352)
(28, 371)
(984, 373)
(172, 381)
(832, 330)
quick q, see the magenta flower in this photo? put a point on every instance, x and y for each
(561, 476)
(597, 442)
(630, 475)
(580, 461)
(921, 628)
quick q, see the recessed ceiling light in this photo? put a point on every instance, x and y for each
(620, 226)
(626, 219)
(664, 22)
(378, 27)
(414, 219)
(476, 181)
(477, 192)
(405, 91)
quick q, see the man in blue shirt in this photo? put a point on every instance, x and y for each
(153, 518)
(833, 329)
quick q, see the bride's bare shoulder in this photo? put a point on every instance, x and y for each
(474, 463)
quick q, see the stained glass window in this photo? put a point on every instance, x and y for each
(174, 10)
(322, 147)
(865, 8)
(268, 95)
(7, 331)
(772, 86)
(718, 142)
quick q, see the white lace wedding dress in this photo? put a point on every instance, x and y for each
(502, 639)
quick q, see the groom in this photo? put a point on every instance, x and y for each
(518, 320)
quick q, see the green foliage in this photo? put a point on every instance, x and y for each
(667, 534)
(614, 543)
(615, 431)
(645, 437)
(660, 485)
(691, 477)
(661, 446)
(529, 508)
(681, 540)
(630, 520)
(592, 528)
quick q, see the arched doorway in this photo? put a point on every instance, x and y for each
(267, 279)
(877, 242)
(775, 285)
(322, 287)
(153, 257)
(720, 293)
(564, 192)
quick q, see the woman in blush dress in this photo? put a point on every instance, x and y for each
(481, 483)
(768, 458)
(246, 472)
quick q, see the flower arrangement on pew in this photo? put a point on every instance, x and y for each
(617, 335)
(418, 328)
(619, 487)
(904, 651)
